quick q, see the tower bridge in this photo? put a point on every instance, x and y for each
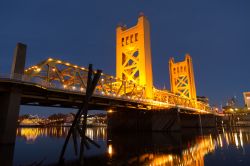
(57, 83)
(53, 74)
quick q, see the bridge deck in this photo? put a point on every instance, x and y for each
(38, 95)
(33, 94)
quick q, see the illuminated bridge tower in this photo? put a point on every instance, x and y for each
(182, 78)
(133, 54)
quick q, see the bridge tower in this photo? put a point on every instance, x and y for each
(182, 78)
(133, 54)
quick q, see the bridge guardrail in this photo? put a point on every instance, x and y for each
(163, 99)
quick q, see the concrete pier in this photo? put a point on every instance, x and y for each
(7, 154)
(10, 99)
(197, 121)
(158, 120)
(129, 120)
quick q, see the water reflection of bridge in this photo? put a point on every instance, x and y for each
(189, 149)
(171, 149)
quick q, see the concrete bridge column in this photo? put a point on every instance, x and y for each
(6, 153)
(166, 120)
(125, 119)
(10, 99)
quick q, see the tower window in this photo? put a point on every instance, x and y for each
(131, 38)
(136, 37)
(127, 40)
(122, 41)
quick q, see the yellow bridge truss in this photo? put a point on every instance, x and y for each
(57, 74)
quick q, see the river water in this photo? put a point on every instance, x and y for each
(186, 148)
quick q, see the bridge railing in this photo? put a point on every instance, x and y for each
(175, 100)
(111, 87)
(59, 74)
(107, 86)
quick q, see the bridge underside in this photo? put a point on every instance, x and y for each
(159, 120)
(35, 95)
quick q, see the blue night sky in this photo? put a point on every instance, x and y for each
(216, 33)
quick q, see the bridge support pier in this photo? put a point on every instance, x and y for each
(125, 119)
(7, 153)
(166, 120)
(197, 120)
(11, 98)
(158, 120)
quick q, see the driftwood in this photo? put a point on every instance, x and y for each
(81, 128)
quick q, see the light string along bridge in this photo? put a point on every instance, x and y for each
(64, 76)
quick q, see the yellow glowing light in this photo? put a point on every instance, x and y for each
(220, 141)
(53, 69)
(110, 111)
(38, 69)
(241, 139)
(73, 87)
(67, 64)
(110, 150)
(50, 59)
(59, 61)
(83, 68)
(236, 140)
(64, 86)
(29, 134)
(81, 89)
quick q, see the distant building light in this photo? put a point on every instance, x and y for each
(110, 150)
(110, 111)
